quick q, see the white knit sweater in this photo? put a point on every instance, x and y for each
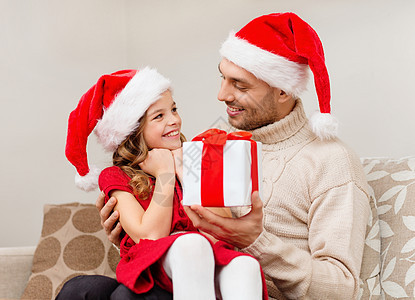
(316, 207)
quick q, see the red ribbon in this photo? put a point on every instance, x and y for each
(212, 163)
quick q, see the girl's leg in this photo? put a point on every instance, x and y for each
(240, 279)
(191, 266)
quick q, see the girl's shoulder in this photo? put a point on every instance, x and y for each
(114, 171)
(113, 176)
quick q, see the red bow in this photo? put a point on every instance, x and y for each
(219, 137)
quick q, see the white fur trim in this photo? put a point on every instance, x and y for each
(275, 70)
(89, 182)
(121, 117)
(324, 125)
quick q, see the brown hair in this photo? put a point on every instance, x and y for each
(130, 153)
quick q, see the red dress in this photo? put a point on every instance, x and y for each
(140, 266)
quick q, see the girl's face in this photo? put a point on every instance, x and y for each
(162, 124)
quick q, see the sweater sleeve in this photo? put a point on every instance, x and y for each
(337, 223)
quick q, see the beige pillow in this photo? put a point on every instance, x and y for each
(72, 243)
(393, 183)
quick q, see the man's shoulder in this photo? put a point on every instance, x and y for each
(333, 159)
(331, 151)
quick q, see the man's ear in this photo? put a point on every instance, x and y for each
(283, 96)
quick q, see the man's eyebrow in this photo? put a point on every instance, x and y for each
(241, 80)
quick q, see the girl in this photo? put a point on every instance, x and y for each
(139, 122)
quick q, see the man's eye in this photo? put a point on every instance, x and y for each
(237, 86)
(242, 89)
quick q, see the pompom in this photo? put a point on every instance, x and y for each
(324, 125)
(89, 182)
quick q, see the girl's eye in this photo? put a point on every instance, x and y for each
(158, 116)
(174, 109)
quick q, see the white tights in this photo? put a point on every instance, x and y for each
(191, 266)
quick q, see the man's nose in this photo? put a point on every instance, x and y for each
(225, 93)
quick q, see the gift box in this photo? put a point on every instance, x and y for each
(220, 169)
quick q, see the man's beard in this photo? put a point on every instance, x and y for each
(264, 113)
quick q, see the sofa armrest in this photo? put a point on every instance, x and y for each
(15, 269)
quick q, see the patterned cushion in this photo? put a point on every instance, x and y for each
(393, 183)
(370, 272)
(72, 243)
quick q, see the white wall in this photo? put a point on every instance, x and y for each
(51, 52)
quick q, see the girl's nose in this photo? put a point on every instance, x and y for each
(174, 119)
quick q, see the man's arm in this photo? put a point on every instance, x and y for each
(240, 232)
(109, 218)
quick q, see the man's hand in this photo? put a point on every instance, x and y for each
(240, 232)
(108, 219)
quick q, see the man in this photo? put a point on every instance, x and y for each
(308, 231)
(310, 241)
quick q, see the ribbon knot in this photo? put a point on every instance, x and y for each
(216, 136)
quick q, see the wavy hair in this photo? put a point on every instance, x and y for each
(128, 156)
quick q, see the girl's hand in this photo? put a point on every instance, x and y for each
(178, 163)
(158, 162)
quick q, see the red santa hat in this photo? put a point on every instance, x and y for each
(112, 107)
(278, 49)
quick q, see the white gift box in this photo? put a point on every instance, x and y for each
(230, 179)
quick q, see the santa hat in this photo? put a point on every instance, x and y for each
(112, 107)
(278, 49)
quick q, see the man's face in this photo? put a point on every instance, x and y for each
(251, 102)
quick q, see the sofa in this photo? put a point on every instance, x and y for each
(72, 242)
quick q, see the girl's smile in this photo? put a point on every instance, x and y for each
(173, 134)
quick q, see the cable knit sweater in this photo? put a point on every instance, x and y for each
(316, 207)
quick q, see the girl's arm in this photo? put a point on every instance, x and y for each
(155, 222)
